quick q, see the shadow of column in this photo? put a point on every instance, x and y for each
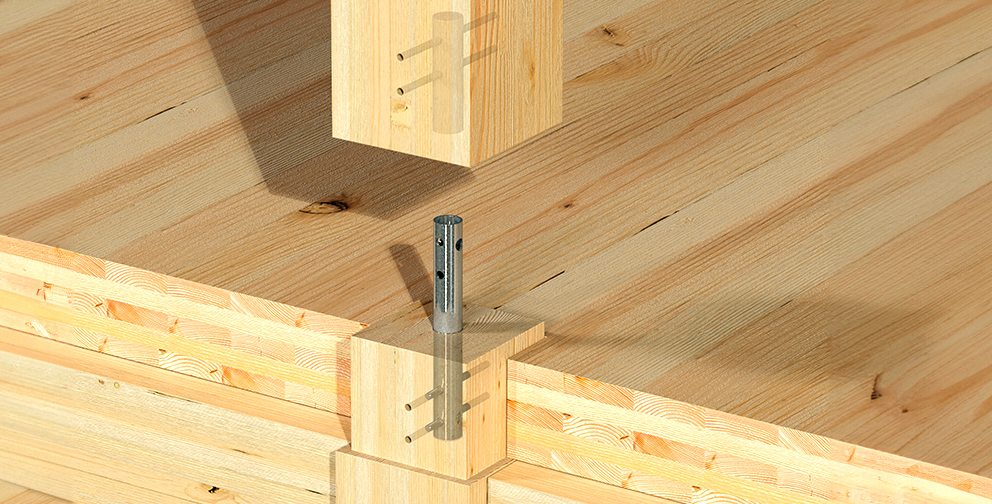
(275, 59)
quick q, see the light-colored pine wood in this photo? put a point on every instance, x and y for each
(175, 384)
(368, 480)
(775, 298)
(645, 442)
(130, 83)
(661, 112)
(10, 490)
(178, 325)
(69, 483)
(388, 207)
(33, 497)
(516, 484)
(393, 365)
(503, 87)
(112, 430)
(523, 483)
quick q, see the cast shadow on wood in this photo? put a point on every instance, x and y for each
(419, 283)
(286, 116)
(818, 357)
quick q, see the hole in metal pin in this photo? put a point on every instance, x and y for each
(400, 91)
(458, 245)
(440, 242)
(440, 275)
(399, 56)
(408, 407)
(408, 439)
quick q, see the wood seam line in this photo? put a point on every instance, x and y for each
(747, 449)
(183, 308)
(174, 384)
(154, 339)
(663, 468)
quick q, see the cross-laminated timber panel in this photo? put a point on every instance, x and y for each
(877, 269)
(622, 437)
(97, 466)
(258, 345)
(682, 97)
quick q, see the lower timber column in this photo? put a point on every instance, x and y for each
(371, 480)
(394, 458)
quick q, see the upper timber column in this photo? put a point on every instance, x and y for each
(458, 81)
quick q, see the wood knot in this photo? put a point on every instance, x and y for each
(613, 36)
(325, 207)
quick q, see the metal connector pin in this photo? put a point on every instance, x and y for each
(448, 367)
(448, 274)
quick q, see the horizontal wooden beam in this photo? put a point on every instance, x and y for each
(222, 336)
(97, 427)
(689, 453)
(523, 483)
(175, 384)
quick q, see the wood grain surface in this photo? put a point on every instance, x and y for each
(776, 209)
(89, 438)
(15, 494)
(397, 84)
(394, 367)
(190, 328)
(523, 483)
(692, 454)
(364, 479)
(176, 385)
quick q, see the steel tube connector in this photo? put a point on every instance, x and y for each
(448, 274)
(448, 366)
(448, 375)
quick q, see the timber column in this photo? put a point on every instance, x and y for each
(429, 398)
(458, 81)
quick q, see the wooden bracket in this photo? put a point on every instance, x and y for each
(458, 81)
(392, 372)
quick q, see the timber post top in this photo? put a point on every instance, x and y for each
(393, 366)
(456, 81)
